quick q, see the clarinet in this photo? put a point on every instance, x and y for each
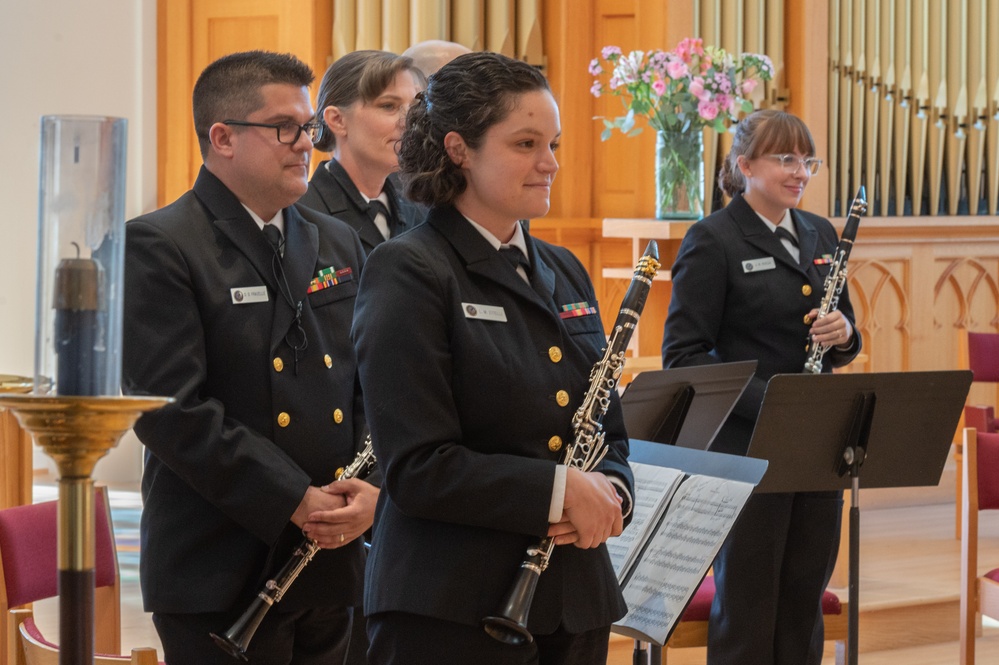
(836, 279)
(236, 640)
(587, 449)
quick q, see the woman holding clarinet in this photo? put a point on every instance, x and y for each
(747, 285)
(475, 343)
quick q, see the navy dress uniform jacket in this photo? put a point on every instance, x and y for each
(332, 191)
(461, 363)
(725, 308)
(222, 474)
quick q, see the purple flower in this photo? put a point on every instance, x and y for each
(596, 89)
(608, 51)
(595, 68)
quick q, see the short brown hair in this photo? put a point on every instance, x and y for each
(229, 88)
(760, 133)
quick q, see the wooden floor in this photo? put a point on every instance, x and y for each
(909, 573)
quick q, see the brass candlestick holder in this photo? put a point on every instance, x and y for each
(76, 432)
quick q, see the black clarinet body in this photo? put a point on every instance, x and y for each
(836, 279)
(587, 449)
(236, 640)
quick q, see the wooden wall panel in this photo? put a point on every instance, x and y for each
(193, 34)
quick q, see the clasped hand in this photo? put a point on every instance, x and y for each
(591, 511)
(833, 329)
(337, 513)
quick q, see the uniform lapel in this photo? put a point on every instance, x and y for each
(301, 252)
(351, 198)
(757, 234)
(808, 239)
(481, 258)
(231, 218)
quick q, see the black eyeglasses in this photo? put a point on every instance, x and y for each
(791, 163)
(287, 132)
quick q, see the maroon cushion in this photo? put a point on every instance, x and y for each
(988, 471)
(983, 356)
(29, 548)
(993, 575)
(699, 608)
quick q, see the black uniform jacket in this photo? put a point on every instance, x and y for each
(462, 364)
(332, 191)
(228, 463)
(738, 295)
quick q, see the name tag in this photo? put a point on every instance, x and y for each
(244, 295)
(756, 265)
(484, 312)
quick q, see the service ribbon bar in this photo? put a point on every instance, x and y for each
(577, 309)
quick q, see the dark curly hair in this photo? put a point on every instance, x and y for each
(760, 133)
(468, 95)
(360, 75)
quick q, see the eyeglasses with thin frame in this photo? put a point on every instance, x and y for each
(791, 163)
(287, 132)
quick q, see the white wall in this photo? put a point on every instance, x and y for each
(67, 57)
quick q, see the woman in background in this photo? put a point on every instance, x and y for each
(470, 374)
(362, 103)
(747, 285)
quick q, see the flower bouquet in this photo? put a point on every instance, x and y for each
(679, 93)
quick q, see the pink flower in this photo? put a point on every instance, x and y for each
(596, 88)
(595, 68)
(748, 86)
(687, 48)
(724, 102)
(659, 87)
(697, 89)
(676, 69)
(608, 51)
(707, 110)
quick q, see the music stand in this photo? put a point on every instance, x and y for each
(685, 406)
(818, 431)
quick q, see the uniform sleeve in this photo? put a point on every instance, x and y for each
(238, 470)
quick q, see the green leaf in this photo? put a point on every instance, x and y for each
(606, 134)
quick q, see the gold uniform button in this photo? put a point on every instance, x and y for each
(337, 416)
(328, 361)
(806, 290)
(555, 444)
(284, 419)
(278, 364)
(562, 398)
(807, 319)
(339, 472)
(555, 354)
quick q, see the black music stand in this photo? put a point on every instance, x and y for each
(819, 431)
(683, 406)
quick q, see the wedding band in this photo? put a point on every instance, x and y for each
(341, 537)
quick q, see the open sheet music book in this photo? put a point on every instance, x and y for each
(678, 525)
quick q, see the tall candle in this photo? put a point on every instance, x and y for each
(77, 334)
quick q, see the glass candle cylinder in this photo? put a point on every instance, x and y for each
(81, 240)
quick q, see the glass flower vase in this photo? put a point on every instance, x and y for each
(679, 174)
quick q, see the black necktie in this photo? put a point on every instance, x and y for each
(273, 235)
(784, 234)
(375, 206)
(516, 258)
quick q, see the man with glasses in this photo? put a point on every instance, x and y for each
(239, 305)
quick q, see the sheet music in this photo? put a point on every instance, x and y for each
(679, 553)
(654, 486)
